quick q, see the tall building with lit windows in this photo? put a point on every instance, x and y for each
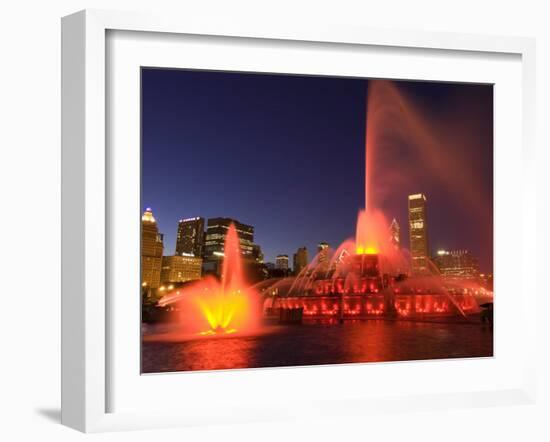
(281, 262)
(151, 251)
(214, 242)
(395, 234)
(418, 234)
(457, 264)
(323, 250)
(180, 268)
(190, 237)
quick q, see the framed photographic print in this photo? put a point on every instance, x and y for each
(290, 222)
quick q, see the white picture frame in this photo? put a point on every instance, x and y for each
(86, 207)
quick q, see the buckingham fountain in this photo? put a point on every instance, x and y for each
(370, 278)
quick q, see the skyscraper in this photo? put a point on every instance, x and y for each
(418, 233)
(281, 262)
(180, 268)
(151, 251)
(322, 254)
(457, 264)
(300, 260)
(190, 237)
(216, 231)
(395, 234)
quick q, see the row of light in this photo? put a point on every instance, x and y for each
(161, 288)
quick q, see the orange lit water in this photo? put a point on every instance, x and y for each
(277, 346)
(215, 307)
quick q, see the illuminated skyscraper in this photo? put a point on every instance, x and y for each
(190, 237)
(395, 235)
(323, 248)
(323, 255)
(457, 264)
(281, 262)
(151, 251)
(418, 233)
(216, 231)
(180, 268)
(214, 242)
(300, 260)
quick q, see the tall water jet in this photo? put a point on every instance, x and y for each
(213, 306)
(370, 275)
(405, 141)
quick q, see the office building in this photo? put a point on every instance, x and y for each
(395, 234)
(281, 262)
(151, 251)
(216, 232)
(457, 264)
(190, 238)
(418, 234)
(323, 250)
(300, 260)
(180, 268)
(214, 243)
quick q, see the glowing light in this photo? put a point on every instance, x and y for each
(220, 309)
(212, 332)
(148, 216)
(222, 306)
(371, 232)
(366, 250)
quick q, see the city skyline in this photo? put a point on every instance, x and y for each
(232, 184)
(393, 233)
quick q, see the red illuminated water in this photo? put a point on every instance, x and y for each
(403, 143)
(276, 346)
(365, 277)
(368, 275)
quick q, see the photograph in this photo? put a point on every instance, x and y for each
(299, 220)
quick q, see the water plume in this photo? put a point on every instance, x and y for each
(211, 306)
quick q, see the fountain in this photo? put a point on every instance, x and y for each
(369, 276)
(213, 307)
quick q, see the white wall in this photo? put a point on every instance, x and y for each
(30, 201)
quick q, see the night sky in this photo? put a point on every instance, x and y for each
(286, 154)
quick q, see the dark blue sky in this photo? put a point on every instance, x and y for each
(286, 155)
